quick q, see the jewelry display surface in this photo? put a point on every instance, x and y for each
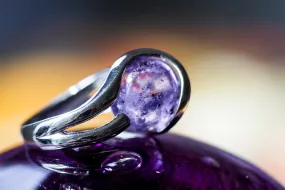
(131, 162)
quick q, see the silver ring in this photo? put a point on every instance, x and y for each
(47, 128)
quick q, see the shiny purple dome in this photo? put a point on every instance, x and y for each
(131, 162)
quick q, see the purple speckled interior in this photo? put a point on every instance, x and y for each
(149, 94)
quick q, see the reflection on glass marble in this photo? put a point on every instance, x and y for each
(131, 162)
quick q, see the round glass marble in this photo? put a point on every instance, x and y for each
(149, 94)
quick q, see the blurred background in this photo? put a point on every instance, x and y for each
(234, 52)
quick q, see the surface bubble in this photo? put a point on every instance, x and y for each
(121, 161)
(69, 186)
(210, 161)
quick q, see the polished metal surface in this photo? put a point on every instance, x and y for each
(47, 128)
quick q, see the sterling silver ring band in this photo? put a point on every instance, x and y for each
(47, 128)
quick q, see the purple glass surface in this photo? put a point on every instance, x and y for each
(149, 94)
(129, 162)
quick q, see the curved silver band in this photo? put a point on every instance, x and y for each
(47, 128)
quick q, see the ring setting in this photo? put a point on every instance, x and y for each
(147, 90)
